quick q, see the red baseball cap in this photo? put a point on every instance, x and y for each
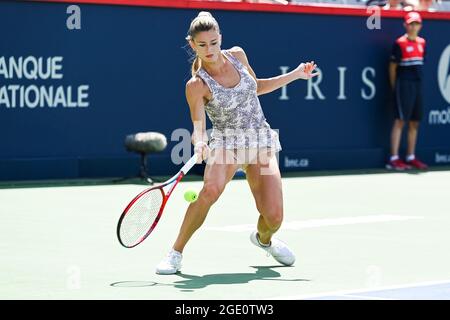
(413, 17)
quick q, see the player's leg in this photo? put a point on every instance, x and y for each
(219, 171)
(264, 180)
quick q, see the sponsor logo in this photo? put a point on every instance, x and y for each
(441, 158)
(444, 74)
(436, 117)
(295, 163)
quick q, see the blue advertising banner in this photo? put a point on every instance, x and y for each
(75, 80)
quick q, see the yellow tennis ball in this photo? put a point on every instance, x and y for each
(190, 196)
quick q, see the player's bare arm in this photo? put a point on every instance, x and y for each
(303, 71)
(196, 91)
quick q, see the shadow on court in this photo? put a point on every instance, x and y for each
(200, 282)
(135, 284)
(192, 282)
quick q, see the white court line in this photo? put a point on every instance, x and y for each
(316, 223)
(357, 292)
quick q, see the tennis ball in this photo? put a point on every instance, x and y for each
(190, 196)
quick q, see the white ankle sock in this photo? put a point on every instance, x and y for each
(262, 244)
(411, 157)
(393, 158)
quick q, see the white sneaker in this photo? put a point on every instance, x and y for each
(170, 264)
(277, 249)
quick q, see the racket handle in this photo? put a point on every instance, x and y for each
(191, 162)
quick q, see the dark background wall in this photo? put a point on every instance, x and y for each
(135, 64)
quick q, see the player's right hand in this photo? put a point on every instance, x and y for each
(201, 148)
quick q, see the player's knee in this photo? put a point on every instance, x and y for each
(211, 192)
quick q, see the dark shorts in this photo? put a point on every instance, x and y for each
(407, 100)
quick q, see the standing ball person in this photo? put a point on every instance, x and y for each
(405, 75)
(224, 86)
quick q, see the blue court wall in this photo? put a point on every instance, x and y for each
(125, 71)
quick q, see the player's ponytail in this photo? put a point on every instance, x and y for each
(195, 65)
(203, 22)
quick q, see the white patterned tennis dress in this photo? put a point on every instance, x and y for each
(236, 114)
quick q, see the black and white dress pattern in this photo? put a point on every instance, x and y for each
(236, 114)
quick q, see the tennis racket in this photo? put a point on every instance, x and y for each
(142, 214)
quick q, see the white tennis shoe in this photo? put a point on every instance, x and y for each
(277, 249)
(170, 264)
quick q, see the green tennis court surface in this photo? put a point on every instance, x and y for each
(366, 236)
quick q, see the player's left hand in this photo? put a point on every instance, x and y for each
(305, 70)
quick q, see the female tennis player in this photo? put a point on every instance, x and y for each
(224, 86)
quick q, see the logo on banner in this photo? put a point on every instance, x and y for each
(441, 158)
(37, 82)
(296, 163)
(444, 74)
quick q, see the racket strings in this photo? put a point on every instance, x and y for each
(140, 217)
